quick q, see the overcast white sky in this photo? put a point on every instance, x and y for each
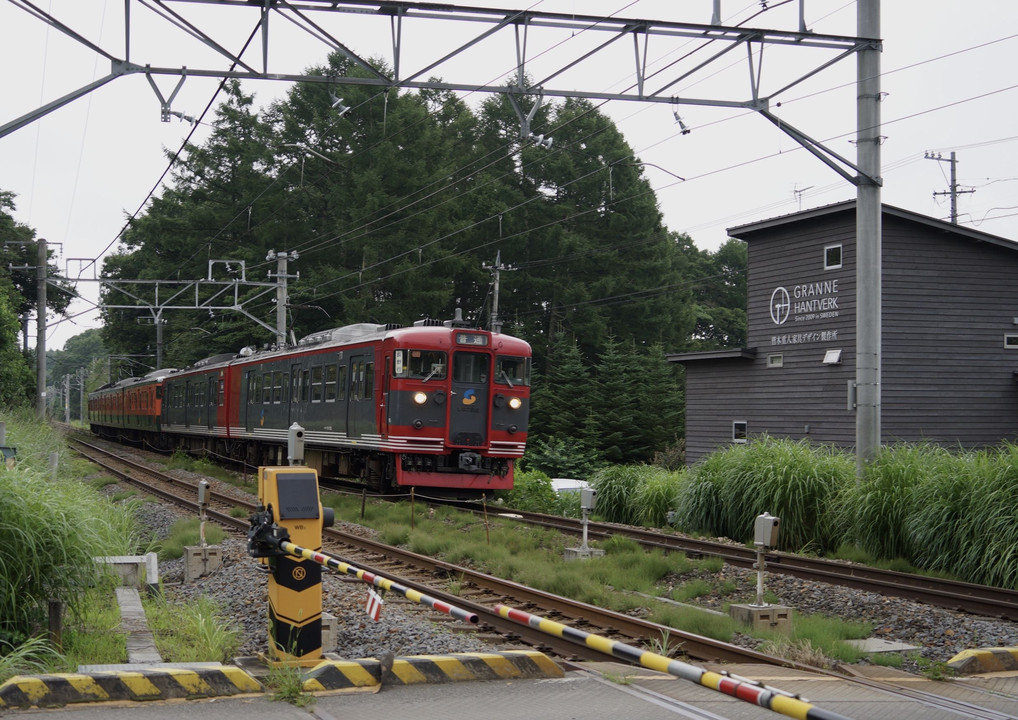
(948, 71)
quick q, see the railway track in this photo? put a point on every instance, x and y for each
(479, 592)
(950, 594)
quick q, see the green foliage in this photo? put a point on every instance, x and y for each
(34, 655)
(560, 457)
(795, 481)
(719, 627)
(17, 382)
(195, 631)
(635, 494)
(92, 633)
(186, 532)
(50, 529)
(532, 492)
(657, 496)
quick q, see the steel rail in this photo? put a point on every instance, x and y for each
(957, 595)
(581, 614)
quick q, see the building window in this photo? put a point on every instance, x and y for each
(776, 360)
(1010, 342)
(832, 257)
(740, 431)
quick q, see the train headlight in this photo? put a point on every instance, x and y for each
(515, 403)
(420, 397)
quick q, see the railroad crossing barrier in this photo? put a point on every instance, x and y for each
(291, 508)
(742, 688)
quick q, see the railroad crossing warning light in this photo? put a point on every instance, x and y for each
(289, 496)
(766, 530)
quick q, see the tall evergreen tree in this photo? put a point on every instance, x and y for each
(561, 398)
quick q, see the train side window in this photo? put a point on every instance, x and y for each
(427, 365)
(305, 386)
(356, 380)
(369, 380)
(266, 388)
(330, 383)
(512, 370)
(277, 387)
(316, 384)
(341, 383)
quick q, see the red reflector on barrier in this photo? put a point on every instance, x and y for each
(374, 605)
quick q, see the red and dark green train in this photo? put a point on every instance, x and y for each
(435, 405)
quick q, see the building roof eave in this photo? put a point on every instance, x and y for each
(704, 355)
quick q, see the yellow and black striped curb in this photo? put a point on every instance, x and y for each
(985, 660)
(417, 669)
(156, 684)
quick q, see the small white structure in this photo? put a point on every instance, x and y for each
(568, 485)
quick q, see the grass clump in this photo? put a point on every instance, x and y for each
(186, 532)
(532, 492)
(197, 631)
(795, 481)
(816, 639)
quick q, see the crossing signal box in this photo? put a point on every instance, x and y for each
(290, 495)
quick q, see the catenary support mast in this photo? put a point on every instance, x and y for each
(868, 241)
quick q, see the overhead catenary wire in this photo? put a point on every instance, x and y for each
(722, 169)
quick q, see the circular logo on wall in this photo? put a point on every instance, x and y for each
(781, 304)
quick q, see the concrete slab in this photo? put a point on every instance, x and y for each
(879, 645)
(141, 645)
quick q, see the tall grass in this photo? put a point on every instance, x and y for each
(50, 529)
(795, 481)
(988, 553)
(617, 490)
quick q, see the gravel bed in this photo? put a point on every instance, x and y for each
(408, 629)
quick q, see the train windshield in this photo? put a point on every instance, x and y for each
(512, 370)
(470, 367)
(422, 364)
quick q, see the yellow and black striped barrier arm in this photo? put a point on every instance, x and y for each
(742, 688)
(378, 581)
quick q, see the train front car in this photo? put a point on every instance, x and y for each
(456, 406)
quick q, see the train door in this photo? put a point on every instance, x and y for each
(188, 403)
(249, 396)
(361, 407)
(468, 411)
(295, 415)
(211, 401)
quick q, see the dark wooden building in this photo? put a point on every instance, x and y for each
(949, 346)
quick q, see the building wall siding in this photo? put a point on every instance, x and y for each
(946, 377)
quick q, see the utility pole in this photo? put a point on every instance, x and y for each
(40, 342)
(67, 399)
(953, 191)
(281, 296)
(869, 300)
(81, 386)
(496, 271)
